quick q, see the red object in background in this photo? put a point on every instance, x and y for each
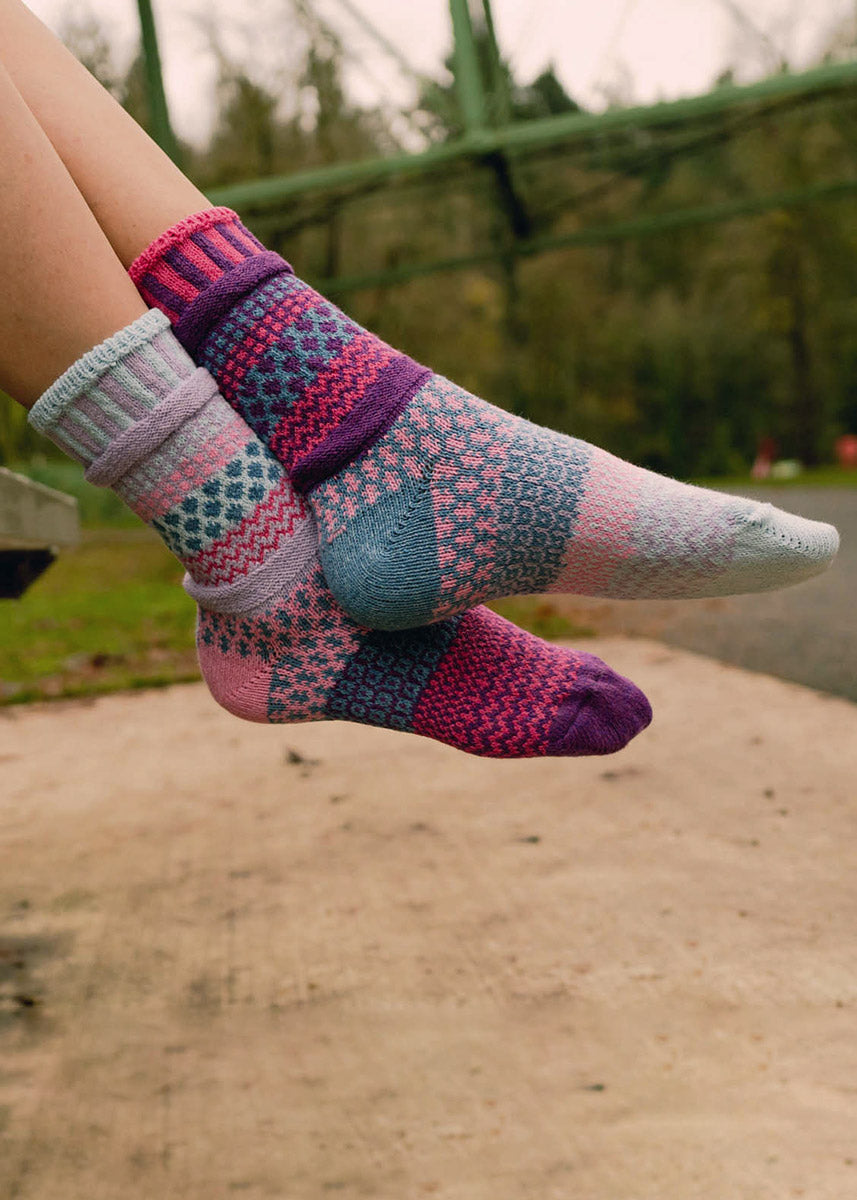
(765, 456)
(846, 450)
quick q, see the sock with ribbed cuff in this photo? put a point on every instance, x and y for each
(428, 499)
(273, 643)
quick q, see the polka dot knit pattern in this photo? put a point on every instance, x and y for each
(274, 645)
(428, 499)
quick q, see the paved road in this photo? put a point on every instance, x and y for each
(806, 633)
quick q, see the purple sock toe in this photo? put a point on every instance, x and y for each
(604, 714)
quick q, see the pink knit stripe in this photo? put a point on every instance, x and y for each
(200, 259)
(237, 230)
(216, 238)
(146, 262)
(336, 390)
(271, 523)
(605, 523)
(162, 493)
(165, 274)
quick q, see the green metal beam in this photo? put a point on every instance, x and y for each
(501, 106)
(468, 76)
(159, 113)
(534, 135)
(618, 231)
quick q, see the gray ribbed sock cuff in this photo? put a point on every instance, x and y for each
(112, 387)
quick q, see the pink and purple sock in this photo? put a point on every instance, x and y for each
(428, 499)
(273, 643)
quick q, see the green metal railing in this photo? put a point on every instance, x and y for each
(493, 144)
(535, 135)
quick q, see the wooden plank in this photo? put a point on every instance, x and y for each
(35, 517)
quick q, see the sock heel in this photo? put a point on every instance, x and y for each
(392, 583)
(244, 693)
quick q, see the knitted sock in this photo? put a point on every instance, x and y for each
(273, 643)
(428, 499)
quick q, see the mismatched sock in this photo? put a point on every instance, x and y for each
(273, 643)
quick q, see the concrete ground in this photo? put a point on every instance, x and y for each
(327, 961)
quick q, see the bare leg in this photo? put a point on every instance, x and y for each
(132, 187)
(63, 289)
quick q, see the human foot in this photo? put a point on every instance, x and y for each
(273, 643)
(428, 499)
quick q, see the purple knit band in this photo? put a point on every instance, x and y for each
(283, 569)
(382, 402)
(212, 304)
(142, 439)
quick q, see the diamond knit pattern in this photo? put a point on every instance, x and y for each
(460, 503)
(301, 658)
(497, 520)
(253, 355)
(221, 502)
(277, 515)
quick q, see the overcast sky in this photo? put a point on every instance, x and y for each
(665, 48)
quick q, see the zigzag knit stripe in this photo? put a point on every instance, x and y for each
(274, 645)
(455, 699)
(269, 525)
(312, 383)
(145, 419)
(223, 500)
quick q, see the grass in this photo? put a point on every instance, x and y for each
(542, 616)
(836, 477)
(107, 616)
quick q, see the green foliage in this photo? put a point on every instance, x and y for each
(679, 351)
(108, 615)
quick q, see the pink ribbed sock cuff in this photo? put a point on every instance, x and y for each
(189, 257)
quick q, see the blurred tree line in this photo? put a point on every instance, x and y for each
(680, 351)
